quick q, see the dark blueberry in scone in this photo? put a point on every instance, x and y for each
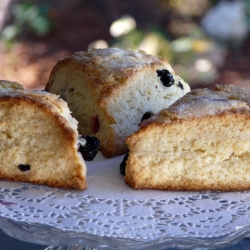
(24, 167)
(90, 149)
(180, 85)
(123, 164)
(166, 77)
(147, 115)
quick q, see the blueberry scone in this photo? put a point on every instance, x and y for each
(109, 90)
(39, 142)
(201, 142)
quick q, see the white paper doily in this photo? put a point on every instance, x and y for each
(110, 215)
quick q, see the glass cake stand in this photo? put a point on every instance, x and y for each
(110, 215)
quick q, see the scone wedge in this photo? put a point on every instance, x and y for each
(201, 142)
(38, 139)
(109, 90)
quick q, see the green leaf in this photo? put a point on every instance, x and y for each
(10, 32)
(40, 26)
(31, 14)
(18, 12)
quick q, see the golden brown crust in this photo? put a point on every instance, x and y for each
(105, 81)
(188, 185)
(116, 85)
(17, 98)
(133, 177)
(160, 123)
(195, 152)
(76, 183)
(43, 115)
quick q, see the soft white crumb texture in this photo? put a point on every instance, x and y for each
(36, 129)
(113, 88)
(201, 142)
(200, 154)
(28, 136)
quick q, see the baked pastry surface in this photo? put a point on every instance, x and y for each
(109, 90)
(201, 142)
(38, 139)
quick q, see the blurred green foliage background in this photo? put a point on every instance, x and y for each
(203, 45)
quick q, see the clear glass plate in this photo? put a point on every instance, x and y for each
(110, 215)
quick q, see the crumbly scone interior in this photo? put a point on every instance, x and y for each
(14, 89)
(37, 130)
(190, 148)
(141, 98)
(75, 94)
(168, 161)
(19, 145)
(116, 87)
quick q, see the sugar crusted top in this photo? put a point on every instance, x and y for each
(14, 89)
(205, 102)
(115, 65)
(116, 58)
(111, 68)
